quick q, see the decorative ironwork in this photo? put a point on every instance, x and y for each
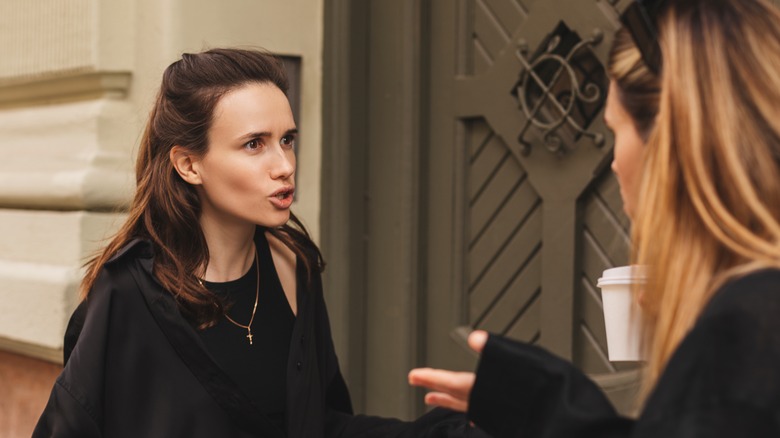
(561, 89)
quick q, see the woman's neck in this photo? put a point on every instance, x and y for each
(231, 251)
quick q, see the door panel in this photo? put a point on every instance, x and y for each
(493, 24)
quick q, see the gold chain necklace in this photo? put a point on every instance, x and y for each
(248, 327)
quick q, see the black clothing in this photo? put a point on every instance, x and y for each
(260, 367)
(722, 381)
(135, 367)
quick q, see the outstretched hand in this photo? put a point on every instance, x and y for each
(450, 389)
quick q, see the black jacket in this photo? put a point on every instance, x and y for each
(722, 381)
(139, 369)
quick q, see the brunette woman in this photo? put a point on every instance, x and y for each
(204, 315)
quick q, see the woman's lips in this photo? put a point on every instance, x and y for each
(283, 198)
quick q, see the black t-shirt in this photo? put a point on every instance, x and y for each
(260, 369)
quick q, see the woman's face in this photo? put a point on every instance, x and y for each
(629, 146)
(247, 173)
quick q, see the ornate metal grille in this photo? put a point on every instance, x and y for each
(561, 90)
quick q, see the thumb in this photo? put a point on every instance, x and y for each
(477, 340)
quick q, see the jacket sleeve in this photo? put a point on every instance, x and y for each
(522, 390)
(65, 417)
(75, 405)
(73, 331)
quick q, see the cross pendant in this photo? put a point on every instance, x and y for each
(249, 336)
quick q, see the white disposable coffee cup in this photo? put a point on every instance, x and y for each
(622, 315)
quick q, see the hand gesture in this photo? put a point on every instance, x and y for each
(451, 389)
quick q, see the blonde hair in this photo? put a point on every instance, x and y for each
(709, 206)
(638, 88)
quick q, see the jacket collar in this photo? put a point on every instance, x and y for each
(143, 246)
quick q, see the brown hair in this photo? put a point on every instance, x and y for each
(709, 206)
(165, 209)
(638, 87)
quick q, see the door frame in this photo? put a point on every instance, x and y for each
(373, 68)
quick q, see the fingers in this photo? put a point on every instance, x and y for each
(477, 340)
(458, 384)
(446, 401)
(450, 389)
(437, 380)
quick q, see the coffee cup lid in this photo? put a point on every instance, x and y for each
(623, 275)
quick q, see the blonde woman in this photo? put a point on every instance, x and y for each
(706, 214)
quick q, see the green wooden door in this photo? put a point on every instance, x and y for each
(466, 184)
(523, 211)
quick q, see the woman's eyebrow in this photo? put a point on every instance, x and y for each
(251, 135)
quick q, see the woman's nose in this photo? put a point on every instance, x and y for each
(284, 164)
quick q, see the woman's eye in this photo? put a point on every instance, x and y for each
(288, 140)
(252, 144)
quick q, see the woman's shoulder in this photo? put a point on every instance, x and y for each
(112, 289)
(117, 278)
(133, 249)
(742, 319)
(115, 273)
(730, 356)
(750, 295)
(739, 325)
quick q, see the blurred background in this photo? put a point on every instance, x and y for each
(453, 165)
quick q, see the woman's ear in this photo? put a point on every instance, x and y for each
(186, 165)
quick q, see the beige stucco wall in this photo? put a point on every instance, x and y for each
(77, 78)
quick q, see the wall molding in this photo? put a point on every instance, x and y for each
(78, 86)
(53, 355)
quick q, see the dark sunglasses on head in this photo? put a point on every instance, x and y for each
(640, 19)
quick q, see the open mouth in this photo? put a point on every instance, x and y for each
(284, 193)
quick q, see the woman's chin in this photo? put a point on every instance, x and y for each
(276, 221)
